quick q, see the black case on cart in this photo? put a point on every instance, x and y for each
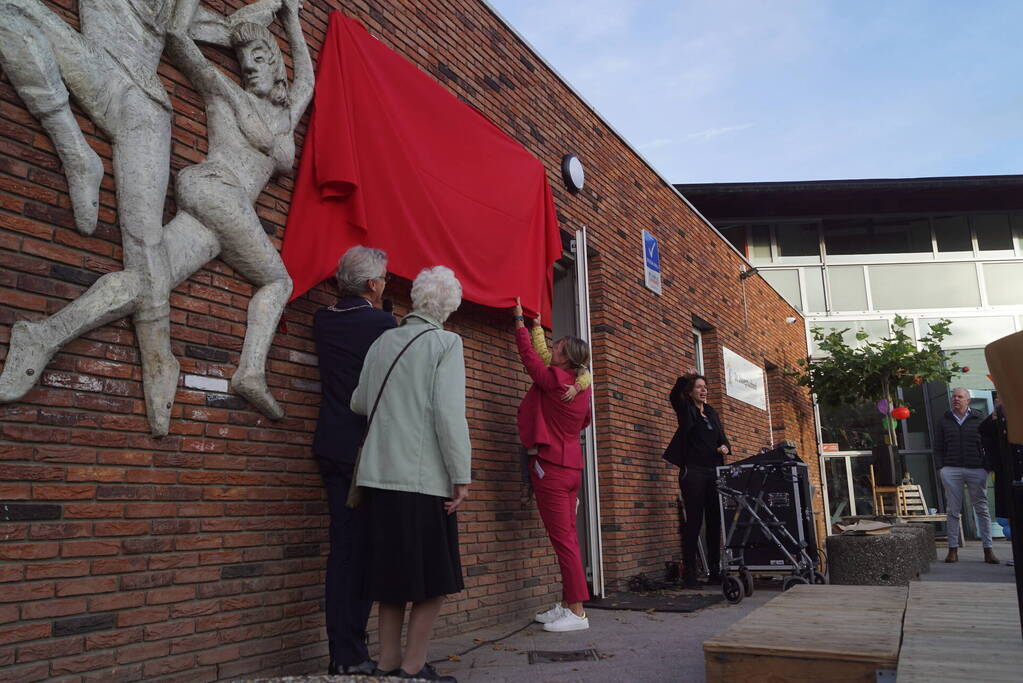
(785, 485)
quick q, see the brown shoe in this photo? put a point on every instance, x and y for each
(989, 556)
(953, 555)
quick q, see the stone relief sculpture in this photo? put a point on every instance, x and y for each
(110, 69)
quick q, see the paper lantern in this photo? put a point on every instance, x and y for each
(900, 413)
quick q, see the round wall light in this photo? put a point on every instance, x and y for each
(572, 172)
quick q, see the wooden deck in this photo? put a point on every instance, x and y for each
(812, 633)
(930, 632)
(961, 632)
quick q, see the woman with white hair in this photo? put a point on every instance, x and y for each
(414, 471)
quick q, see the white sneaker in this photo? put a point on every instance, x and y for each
(568, 622)
(550, 615)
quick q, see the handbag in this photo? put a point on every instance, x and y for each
(355, 492)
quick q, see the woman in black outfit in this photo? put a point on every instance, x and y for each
(699, 445)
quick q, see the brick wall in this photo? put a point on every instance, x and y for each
(200, 556)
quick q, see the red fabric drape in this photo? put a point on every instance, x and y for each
(393, 160)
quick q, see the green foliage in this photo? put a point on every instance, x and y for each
(873, 370)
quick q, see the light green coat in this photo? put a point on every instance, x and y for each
(419, 438)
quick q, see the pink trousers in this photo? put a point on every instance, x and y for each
(556, 489)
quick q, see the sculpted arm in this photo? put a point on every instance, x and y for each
(302, 87)
(187, 56)
(213, 28)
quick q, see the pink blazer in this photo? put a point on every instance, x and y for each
(545, 421)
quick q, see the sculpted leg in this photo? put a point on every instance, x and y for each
(254, 256)
(28, 33)
(33, 344)
(141, 153)
(208, 193)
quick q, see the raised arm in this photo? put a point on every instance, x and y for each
(534, 365)
(540, 342)
(302, 86)
(214, 28)
(187, 56)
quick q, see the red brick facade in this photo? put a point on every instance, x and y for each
(200, 556)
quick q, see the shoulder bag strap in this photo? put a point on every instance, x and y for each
(387, 377)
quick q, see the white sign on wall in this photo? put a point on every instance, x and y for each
(744, 380)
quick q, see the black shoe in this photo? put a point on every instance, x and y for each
(365, 668)
(332, 668)
(428, 673)
(393, 672)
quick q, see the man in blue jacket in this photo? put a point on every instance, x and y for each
(959, 456)
(343, 333)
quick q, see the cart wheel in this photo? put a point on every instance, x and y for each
(819, 578)
(791, 581)
(747, 582)
(731, 588)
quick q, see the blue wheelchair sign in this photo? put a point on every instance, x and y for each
(651, 263)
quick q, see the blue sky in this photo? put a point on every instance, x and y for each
(758, 90)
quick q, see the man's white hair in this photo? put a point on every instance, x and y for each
(436, 292)
(963, 389)
(359, 265)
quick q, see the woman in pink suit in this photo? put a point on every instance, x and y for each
(549, 427)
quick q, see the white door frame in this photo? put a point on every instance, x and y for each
(591, 485)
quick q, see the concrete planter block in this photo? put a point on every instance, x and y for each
(879, 560)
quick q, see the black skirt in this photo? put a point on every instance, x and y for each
(411, 548)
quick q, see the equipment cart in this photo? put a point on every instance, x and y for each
(767, 522)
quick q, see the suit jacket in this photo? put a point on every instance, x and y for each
(545, 422)
(343, 338)
(677, 452)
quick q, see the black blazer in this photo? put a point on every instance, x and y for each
(687, 416)
(342, 340)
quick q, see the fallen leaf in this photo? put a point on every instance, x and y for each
(454, 658)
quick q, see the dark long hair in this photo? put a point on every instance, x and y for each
(688, 383)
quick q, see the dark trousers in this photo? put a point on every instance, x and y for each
(701, 501)
(347, 613)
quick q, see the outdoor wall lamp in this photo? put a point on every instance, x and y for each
(747, 273)
(572, 172)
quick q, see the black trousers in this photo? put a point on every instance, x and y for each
(347, 612)
(700, 497)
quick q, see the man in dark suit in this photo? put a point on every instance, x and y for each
(344, 332)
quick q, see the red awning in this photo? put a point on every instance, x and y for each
(393, 160)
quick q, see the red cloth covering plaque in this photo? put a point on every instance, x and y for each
(393, 160)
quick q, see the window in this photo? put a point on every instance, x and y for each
(848, 289)
(875, 329)
(736, 234)
(797, 239)
(1004, 283)
(924, 285)
(879, 236)
(993, 232)
(786, 281)
(698, 350)
(975, 331)
(813, 281)
(952, 234)
(760, 249)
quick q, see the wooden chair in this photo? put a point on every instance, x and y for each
(879, 496)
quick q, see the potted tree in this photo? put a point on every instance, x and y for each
(872, 371)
